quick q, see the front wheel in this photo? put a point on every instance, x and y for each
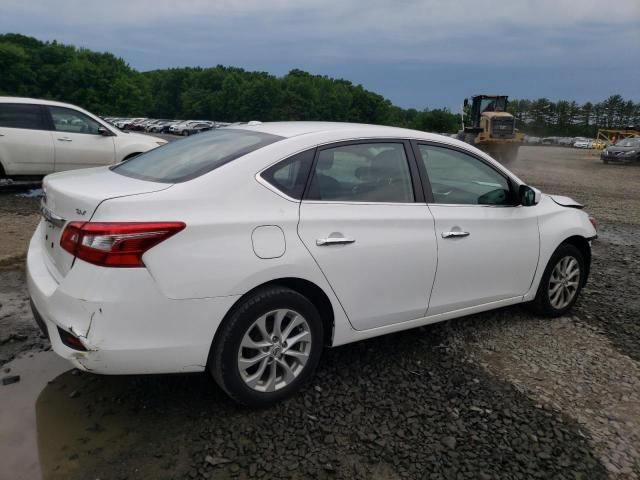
(268, 347)
(561, 282)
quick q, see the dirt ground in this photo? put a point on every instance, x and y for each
(503, 394)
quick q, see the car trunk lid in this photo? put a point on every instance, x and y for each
(75, 196)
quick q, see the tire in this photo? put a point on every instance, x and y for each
(546, 303)
(264, 382)
(185, 133)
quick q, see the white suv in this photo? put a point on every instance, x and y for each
(38, 137)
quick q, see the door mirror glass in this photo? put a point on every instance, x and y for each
(104, 132)
(528, 196)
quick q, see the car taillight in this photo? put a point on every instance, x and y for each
(115, 244)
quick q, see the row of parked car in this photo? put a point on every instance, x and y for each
(575, 142)
(163, 125)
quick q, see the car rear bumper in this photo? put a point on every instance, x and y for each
(122, 319)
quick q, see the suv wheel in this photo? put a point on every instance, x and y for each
(268, 347)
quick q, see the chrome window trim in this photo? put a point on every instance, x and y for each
(333, 202)
(470, 205)
(499, 168)
(275, 190)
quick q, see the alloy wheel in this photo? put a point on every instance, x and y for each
(563, 283)
(274, 350)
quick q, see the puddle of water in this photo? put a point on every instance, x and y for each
(18, 424)
(59, 423)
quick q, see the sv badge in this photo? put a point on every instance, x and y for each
(81, 212)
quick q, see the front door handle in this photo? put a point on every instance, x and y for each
(323, 242)
(64, 139)
(455, 234)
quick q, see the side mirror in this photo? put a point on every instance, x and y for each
(529, 196)
(104, 132)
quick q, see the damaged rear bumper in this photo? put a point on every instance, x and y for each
(121, 318)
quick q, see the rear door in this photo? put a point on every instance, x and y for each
(488, 244)
(26, 146)
(365, 222)
(77, 141)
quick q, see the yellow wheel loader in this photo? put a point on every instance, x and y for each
(491, 128)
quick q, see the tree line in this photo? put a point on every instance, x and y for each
(106, 84)
(567, 118)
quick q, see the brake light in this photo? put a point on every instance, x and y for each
(115, 244)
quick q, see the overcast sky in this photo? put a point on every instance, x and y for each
(416, 53)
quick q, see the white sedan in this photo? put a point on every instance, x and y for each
(247, 250)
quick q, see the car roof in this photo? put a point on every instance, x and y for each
(294, 129)
(37, 101)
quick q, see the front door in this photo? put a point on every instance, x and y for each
(366, 225)
(488, 245)
(77, 141)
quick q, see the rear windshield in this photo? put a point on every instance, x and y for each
(189, 158)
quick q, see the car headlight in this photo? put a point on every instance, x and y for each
(631, 152)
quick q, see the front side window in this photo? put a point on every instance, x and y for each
(72, 121)
(366, 172)
(458, 178)
(194, 156)
(290, 175)
(21, 115)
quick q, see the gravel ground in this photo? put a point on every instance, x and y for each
(498, 395)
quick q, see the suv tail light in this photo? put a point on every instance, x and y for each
(115, 244)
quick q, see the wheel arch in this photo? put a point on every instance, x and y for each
(308, 289)
(582, 244)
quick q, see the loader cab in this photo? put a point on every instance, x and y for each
(484, 103)
(488, 116)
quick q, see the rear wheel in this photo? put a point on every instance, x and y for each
(268, 347)
(185, 133)
(561, 282)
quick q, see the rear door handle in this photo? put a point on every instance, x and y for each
(64, 139)
(455, 234)
(323, 242)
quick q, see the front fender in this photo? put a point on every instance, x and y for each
(556, 224)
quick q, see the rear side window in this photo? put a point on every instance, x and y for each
(21, 115)
(290, 175)
(189, 158)
(367, 172)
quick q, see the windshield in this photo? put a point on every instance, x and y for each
(493, 104)
(189, 158)
(628, 142)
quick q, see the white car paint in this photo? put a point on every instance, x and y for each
(242, 232)
(26, 151)
(583, 143)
